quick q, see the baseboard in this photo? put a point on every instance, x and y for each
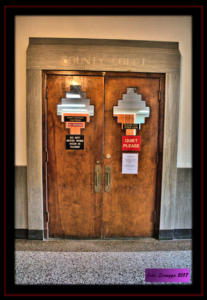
(166, 234)
(35, 234)
(171, 234)
(21, 233)
(163, 234)
(29, 234)
(182, 233)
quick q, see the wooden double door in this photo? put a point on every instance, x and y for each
(72, 208)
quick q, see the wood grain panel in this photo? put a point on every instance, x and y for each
(128, 208)
(74, 208)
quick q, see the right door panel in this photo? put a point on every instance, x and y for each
(127, 209)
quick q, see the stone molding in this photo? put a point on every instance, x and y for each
(101, 55)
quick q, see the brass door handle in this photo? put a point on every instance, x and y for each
(107, 178)
(97, 179)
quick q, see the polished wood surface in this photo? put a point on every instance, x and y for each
(128, 207)
(74, 208)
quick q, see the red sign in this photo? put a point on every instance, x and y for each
(74, 124)
(131, 143)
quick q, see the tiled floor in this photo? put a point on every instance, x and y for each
(92, 262)
(94, 267)
(142, 244)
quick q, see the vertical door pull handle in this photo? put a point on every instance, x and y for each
(107, 178)
(97, 179)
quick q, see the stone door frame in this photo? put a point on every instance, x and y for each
(100, 55)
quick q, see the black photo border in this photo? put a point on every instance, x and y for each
(8, 12)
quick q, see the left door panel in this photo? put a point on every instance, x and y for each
(74, 207)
